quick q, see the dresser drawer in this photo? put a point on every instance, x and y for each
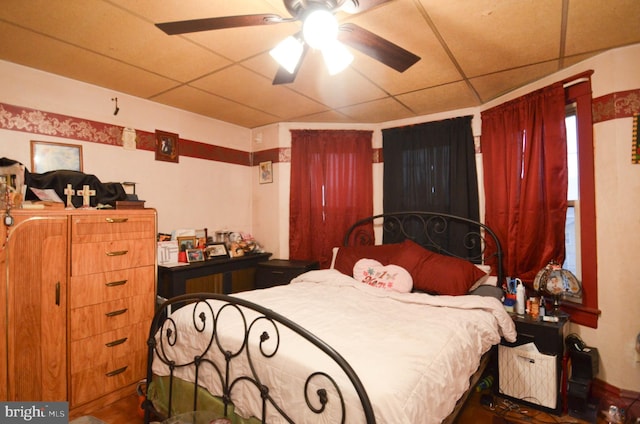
(96, 319)
(108, 226)
(91, 289)
(107, 347)
(89, 258)
(106, 377)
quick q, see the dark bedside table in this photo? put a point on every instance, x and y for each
(278, 272)
(527, 377)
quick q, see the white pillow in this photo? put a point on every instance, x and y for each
(486, 280)
(389, 277)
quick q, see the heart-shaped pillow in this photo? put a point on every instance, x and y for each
(388, 277)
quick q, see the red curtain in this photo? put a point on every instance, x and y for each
(524, 152)
(331, 188)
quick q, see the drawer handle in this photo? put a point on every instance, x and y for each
(116, 372)
(116, 220)
(116, 342)
(118, 253)
(277, 272)
(116, 283)
(58, 293)
(116, 313)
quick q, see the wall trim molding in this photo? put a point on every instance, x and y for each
(33, 121)
(621, 104)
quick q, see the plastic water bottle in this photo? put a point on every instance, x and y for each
(520, 301)
(485, 383)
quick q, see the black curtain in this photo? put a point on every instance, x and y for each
(431, 167)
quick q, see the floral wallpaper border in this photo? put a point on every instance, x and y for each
(623, 104)
(17, 118)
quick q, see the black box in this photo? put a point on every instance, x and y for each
(584, 363)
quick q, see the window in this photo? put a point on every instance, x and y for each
(578, 97)
(571, 247)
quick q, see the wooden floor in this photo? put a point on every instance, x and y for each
(125, 411)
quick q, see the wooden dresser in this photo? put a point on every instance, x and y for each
(79, 290)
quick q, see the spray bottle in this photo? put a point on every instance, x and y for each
(520, 297)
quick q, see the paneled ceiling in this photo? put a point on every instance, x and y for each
(472, 51)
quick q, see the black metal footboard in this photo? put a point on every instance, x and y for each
(260, 336)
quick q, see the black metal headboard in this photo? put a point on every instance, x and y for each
(440, 232)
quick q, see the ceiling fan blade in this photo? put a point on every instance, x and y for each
(285, 77)
(362, 5)
(208, 24)
(376, 47)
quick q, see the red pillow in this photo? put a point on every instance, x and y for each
(347, 257)
(436, 273)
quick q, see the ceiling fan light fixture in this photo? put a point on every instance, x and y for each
(288, 53)
(350, 7)
(320, 28)
(336, 57)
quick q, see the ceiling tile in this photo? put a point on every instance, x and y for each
(387, 109)
(488, 35)
(471, 52)
(206, 104)
(34, 50)
(437, 99)
(590, 25)
(494, 85)
(247, 87)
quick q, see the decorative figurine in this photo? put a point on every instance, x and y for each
(86, 194)
(69, 191)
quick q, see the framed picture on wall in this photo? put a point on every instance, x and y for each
(266, 172)
(47, 156)
(167, 146)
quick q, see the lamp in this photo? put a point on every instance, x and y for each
(319, 31)
(558, 283)
(336, 57)
(287, 53)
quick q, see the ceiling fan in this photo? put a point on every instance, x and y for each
(291, 51)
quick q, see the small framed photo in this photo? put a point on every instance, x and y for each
(216, 250)
(266, 172)
(47, 156)
(195, 255)
(186, 242)
(167, 146)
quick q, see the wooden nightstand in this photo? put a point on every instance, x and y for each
(279, 271)
(528, 377)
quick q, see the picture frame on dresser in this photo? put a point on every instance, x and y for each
(195, 255)
(186, 242)
(216, 250)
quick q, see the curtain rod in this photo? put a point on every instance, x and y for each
(574, 82)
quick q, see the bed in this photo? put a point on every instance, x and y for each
(351, 344)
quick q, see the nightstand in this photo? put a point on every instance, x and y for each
(278, 272)
(533, 377)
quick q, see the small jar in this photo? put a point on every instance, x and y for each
(535, 308)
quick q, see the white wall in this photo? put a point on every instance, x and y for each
(190, 194)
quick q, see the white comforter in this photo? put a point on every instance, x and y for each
(413, 352)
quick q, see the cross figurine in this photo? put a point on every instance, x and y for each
(69, 191)
(86, 194)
